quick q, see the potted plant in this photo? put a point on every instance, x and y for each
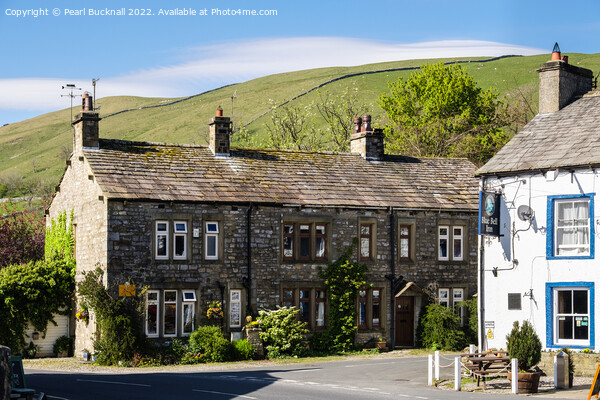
(571, 364)
(524, 345)
(381, 344)
(62, 346)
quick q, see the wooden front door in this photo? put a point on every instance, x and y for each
(405, 321)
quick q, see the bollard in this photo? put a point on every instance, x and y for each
(514, 371)
(437, 365)
(430, 370)
(457, 381)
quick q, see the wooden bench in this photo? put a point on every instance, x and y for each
(482, 364)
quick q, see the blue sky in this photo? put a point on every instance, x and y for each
(170, 56)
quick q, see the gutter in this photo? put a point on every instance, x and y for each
(247, 280)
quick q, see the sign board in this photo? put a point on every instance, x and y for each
(490, 333)
(595, 389)
(489, 324)
(126, 290)
(16, 371)
(489, 214)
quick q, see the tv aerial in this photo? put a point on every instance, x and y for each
(71, 87)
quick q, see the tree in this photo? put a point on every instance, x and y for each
(339, 111)
(289, 128)
(21, 235)
(439, 111)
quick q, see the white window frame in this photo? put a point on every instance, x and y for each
(444, 297)
(585, 247)
(153, 302)
(212, 234)
(188, 301)
(158, 234)
(165, 303)
(235, 305)
(556, 317)
(177, 233)
(440, 238)
(460, 239)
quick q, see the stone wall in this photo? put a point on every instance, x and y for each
(79, 193)
(131, 250)
(585, 363)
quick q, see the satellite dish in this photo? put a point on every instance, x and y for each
(525, 213)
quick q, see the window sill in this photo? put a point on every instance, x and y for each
(588, 257)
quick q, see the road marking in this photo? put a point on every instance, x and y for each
(224, 394)
(55, 397)
(424, 398)
(113, 382)
(363, 365)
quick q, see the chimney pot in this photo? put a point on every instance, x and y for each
(366, 123)
(219, 112)
(556, 52)
(87, 103)
(357, 124)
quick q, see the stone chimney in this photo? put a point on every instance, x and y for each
(219, 133)
(85, 125)
(366, 141)
(561, 83)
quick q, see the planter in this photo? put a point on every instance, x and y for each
(528, 382)
(381, 345)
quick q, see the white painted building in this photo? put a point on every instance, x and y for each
(543, 267)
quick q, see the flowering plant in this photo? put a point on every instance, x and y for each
(215, 310)
(82, 314)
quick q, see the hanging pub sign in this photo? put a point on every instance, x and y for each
(489, 214)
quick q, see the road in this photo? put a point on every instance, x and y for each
(380, 379)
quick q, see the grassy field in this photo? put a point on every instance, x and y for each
(39, 146)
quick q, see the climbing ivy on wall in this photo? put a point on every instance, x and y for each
(60, 241)
(343, 280)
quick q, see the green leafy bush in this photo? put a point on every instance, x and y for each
(22, 287)
(283, 334)
(524, 344)
(61, 344)
(209, 341)
(440, 326)
(243, 350)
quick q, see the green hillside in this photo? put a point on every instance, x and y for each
(38, 147)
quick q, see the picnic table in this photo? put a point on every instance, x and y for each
(482, 364)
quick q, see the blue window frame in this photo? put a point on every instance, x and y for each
(570, 315)
(570, 229)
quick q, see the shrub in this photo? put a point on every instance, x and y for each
(209, 341)
(242, 350)
(524, 344)
(61, 344)
(440, 327)
(283, 334)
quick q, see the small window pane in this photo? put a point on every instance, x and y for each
(365, 247)
(188, 318)
(189, 295)
(304, 228)
(320, 229)
(179, 246)
(304, 247)
(320, 251)
(580, 302)
(564, 302)
(212, 227)
(180, 227)
(404, 230)
(170, 295)
(443, 248)
(289, 229)
(211, 246)
(443, 231)
(404, 250)
(152, 296)
(161, 227)
(365, 230)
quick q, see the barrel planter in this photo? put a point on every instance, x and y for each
(528, 382)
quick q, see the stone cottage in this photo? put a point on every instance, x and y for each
(250, 228)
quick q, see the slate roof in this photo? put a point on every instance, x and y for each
(167, 172)
(569, 137)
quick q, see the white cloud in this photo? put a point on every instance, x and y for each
(235, 61)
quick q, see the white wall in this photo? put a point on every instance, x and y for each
(532, 269)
